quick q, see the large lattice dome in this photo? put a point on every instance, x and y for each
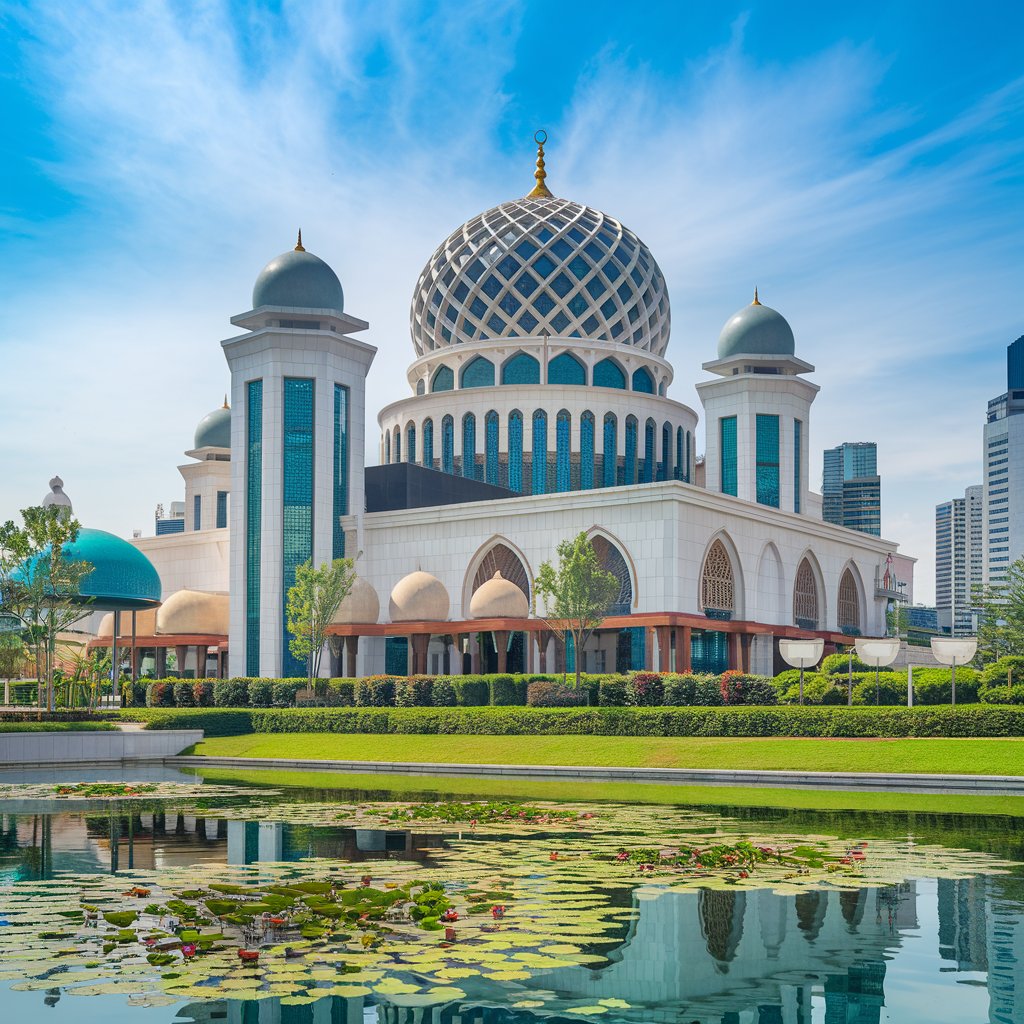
(541, 263)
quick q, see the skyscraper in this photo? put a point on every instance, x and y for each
(851, 488)
(959, 560)
(1004, 471)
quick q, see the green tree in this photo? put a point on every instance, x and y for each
(576, 592)
(1001, 615)
(39, 585)
(13, 655)
(312, 602)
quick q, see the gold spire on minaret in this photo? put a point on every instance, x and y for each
(757, 301)
(299, 247)
(540, 190)
(225, 405)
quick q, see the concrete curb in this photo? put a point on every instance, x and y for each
(25, 749)
(865, 781)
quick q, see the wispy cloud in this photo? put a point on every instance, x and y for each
(197, 139)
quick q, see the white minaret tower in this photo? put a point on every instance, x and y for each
(297, 415)
(757, 412)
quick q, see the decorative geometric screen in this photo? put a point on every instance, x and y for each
(805, 597)
(612, 561)
(848, 605)
(515, 451)
(586, 451)
(503, 559)
(717, 585)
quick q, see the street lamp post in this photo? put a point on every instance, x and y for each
(877, 652)
(801, 654)
(954, 651)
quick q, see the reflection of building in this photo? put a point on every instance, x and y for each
(963, 922)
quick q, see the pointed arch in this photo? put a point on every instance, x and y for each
(643, 381)
(615, 558)
(770, 588)
(443, 379)
(850, 613)
(809, 594)
(721, 593)
(520, 368)
(477, 373)
(609, 374)
(410, 441)
(565, 368)
(496, 554)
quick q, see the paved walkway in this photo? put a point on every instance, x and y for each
(864, 781)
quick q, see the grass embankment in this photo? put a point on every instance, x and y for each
(893, 756)
(56, 726)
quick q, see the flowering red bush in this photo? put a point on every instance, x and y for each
(645, 690)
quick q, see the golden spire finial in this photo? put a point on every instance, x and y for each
(757, 301)
(225, 405)
(540, 190)
(299, 247)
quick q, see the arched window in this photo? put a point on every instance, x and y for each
(608, 374)
(680, 449)
(491, 447)
(647, 475)
(563, 478)
(428, 443)
(421, 387)
(717, 584)
(387, 447)
(665, 466)
(396, 445)
(611, 449)
(689, 458)
(469, 446)
(629, 470)
(443, 379)
(501, 558)
(448, 444)
(477, 373)
(848, 605)
(805, 597)
(515, 451)
(520, 369)
(611, 560)
(566, 369)
(586, 451)
(643, 381)
(540, 452)
(410, 443)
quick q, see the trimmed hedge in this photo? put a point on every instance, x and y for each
(825, 722)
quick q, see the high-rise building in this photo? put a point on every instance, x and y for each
(959, 560)
(1004, 471)
(851, 488)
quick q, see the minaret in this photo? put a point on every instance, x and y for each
(757, 411)
(298, 383)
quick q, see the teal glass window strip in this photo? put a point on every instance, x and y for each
(469, 446)
(611, 453)
(727, 452)
(689, 456)
(428, 443)
(197, 511)
(253, 523)
(643, 381)
(515, 451)
(766, 469)
(520, 369)
(297, 499)
(540, 452)
(398, 444)
(586, 451)
(709, 651)
(562, 456)
(410, 443)
(396, 655)
(491, 447)
(629, 467)
(443, 380)
(680, 449)
(566, 369)
(340, 482)
(607, 374)
(478, 373)
(648, 467)
(222, 510)
(797, 445)
(665, 466)
(448, 445)
(387, 448)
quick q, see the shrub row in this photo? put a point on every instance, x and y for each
(886, 722)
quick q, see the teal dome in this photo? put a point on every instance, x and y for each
(756, 330)
(299, 279)
(122, 576)
(214, 430)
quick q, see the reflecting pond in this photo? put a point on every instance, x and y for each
(363, 905)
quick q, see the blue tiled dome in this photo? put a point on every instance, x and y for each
(122, 576)
(298, 279)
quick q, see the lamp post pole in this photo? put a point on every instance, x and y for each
(849, 678)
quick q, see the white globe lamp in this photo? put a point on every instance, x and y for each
(878, 652)
(802, 654)
(953, 651)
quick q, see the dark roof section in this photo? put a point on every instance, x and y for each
(406, 485)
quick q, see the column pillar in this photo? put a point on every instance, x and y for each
(160, 668)
(201, 651)
(136, 662)
(734, 650)
(457, 668)
(501, 643)
(684, 661)
(664, 648)
(648, 648)
(351, 652)
(541, 638)
(746, 640)
(181, 653)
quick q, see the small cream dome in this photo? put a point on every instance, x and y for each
(361, 605)
(419, 597)
(498, 598)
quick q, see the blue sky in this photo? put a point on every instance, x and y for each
(861, 165)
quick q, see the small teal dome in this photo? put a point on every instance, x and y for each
(214, 430)
(122, 576)
(300, 279)
(756, 330)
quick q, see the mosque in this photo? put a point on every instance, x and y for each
(538, 408)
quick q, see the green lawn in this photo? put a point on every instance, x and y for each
(948, 756)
